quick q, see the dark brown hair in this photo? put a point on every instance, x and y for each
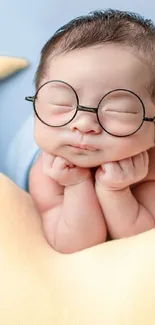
(109, 26)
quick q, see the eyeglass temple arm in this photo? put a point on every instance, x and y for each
(149, 119)
(30, 98)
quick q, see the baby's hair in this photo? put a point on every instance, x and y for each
(101, 27)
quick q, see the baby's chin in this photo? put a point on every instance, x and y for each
(85, 161)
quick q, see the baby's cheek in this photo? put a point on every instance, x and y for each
(122, 148)
(45, 137)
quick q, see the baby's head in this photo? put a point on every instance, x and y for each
(96, 84)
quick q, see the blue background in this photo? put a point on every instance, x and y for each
(24, 28)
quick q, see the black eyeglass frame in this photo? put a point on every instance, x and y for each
(90, 109)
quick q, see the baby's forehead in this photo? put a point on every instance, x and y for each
(99, 69)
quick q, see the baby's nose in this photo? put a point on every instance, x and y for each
(86, 122)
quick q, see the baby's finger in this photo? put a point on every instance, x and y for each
(141, 162)
(60, 163)
(47, 162)
(108, 171)
(126, 165)
(138, 161)
(111, 167)
(146, 158)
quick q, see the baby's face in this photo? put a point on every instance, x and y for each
(93, 72)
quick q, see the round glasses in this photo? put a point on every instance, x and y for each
(120, 112)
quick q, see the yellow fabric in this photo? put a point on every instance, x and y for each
(111, 284)
(10, 65)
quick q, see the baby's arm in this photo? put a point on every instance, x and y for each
(72, 218)
(46, 192)
(127, 212)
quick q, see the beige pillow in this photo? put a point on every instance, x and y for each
(10, 65)
(111, 284)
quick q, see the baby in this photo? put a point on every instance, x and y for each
(94, 123)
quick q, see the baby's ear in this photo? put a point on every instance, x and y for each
(10, 65)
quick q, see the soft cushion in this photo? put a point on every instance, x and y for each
(110, 284)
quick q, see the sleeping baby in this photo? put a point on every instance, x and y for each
(93, 177)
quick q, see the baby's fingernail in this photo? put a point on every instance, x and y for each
(103, 169)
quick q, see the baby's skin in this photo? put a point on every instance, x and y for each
(72, 217)
(86, 183)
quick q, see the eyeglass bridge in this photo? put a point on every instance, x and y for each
(86, 109)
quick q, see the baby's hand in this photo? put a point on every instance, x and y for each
(62, 171)
(121, 174)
